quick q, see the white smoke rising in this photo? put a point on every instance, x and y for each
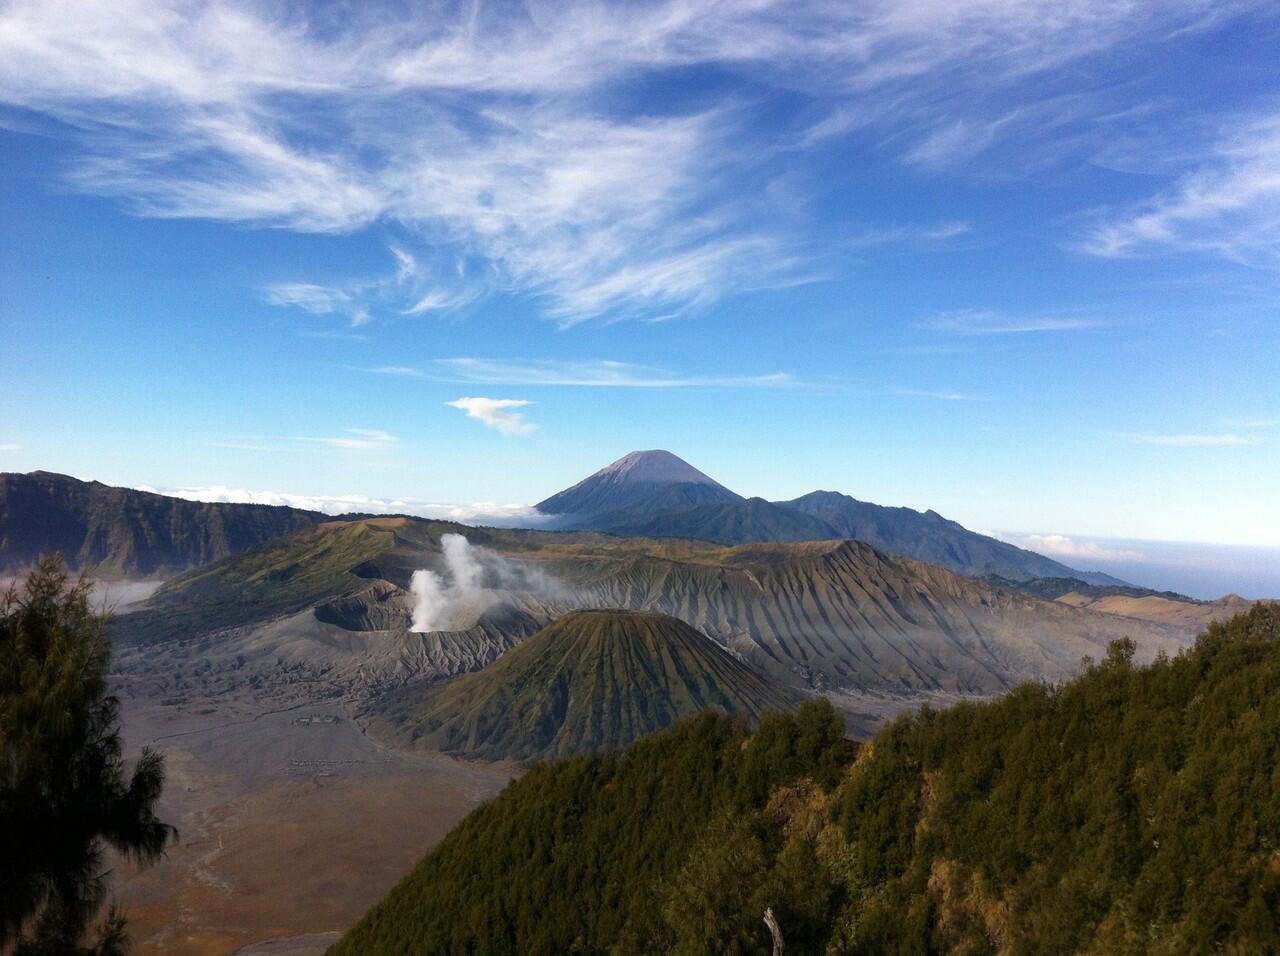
(473, 574)
(430, 601)
(458, 556)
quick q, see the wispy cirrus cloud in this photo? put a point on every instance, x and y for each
(358, 439)
(939, 394)
(399, 371)
(605, 373)
(1198, 440)
(243, 446)
(317, 300)
(495, 136)
(496, 413)
(351, 439)
(594, 373)
(407, 290)
(915, 237)
(1251, 424)
(1229, 205)
(987, 322)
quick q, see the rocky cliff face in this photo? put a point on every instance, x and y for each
(122, 532)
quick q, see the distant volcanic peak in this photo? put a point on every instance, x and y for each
(636, 479)
(656, 466)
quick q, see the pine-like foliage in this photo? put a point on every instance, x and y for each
(64, 792)
(1134, 810)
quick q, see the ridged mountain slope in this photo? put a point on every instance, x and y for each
(590, 681)
(333, 603)
(841, 615)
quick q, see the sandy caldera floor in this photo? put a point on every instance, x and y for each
(292, 823)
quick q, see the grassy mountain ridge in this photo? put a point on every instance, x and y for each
(591, 680)
(277, 577)
(1134, 810)
(120, 531)
(840, 614)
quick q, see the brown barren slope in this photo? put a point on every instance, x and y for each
(1162, 610)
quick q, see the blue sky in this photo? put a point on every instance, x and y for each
(1014, 261)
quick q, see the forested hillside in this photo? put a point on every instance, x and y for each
(572, 857)
(1135, 810)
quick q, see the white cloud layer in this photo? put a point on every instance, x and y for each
(485, 512)
(496, 136)
(1062, 546)
(496, 413)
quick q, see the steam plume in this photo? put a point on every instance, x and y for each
(471, 576)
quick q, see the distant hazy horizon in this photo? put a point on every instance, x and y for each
(1196, 569)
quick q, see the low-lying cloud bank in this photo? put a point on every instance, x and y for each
(479, 513)
(1061, 546)
(1205, 571)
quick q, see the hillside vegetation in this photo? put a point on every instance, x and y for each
(571, 857)
(1134, 810)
